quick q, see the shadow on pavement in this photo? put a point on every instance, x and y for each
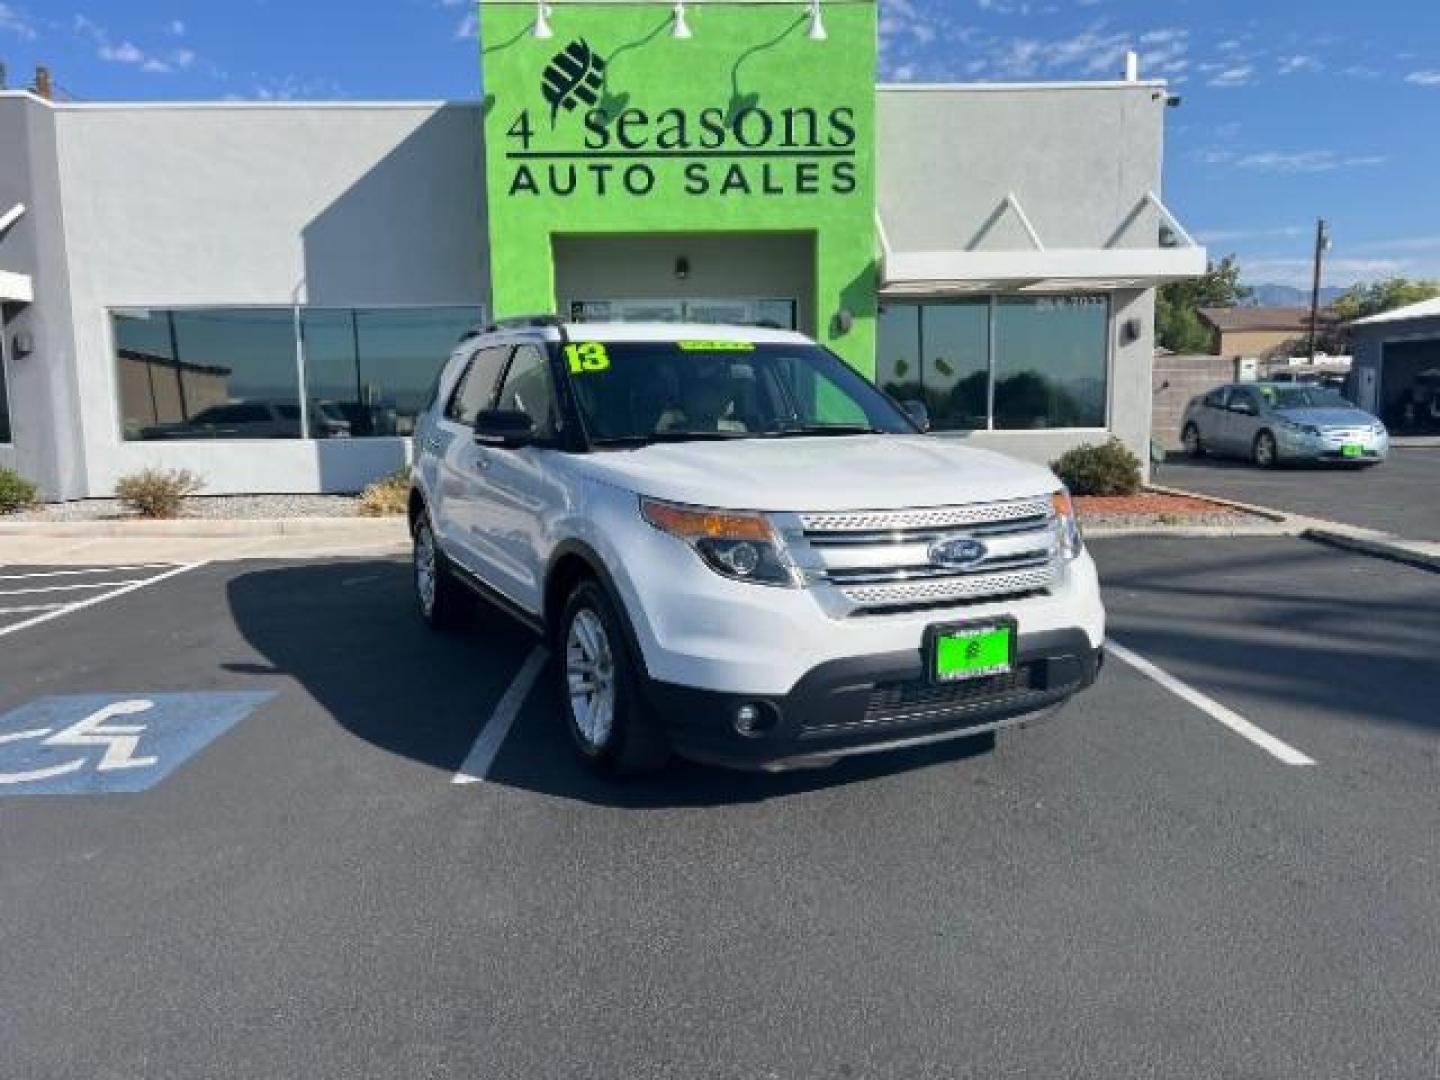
(348, 633)
(1307, 628)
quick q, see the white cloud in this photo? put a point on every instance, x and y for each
(1291, 65)
(1297, 271)
(468, 29)
(1303, 161)
(128, 53)
(1424, 78)
(1229, 236)
(12, 21)
(1239, 75)
(176, 28)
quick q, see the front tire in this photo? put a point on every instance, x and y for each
(1264, 452)
(440, 598)
(599, 683)
(1194, 448)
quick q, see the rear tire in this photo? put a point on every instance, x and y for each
(613, 730)
(1264, 452)
(1194, 448)
(443, 601)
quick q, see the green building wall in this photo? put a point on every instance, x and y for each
(614, 126)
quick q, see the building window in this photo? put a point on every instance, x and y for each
(238, 373)
(5, 436)
(375, 368)
(1051, 359)
(1008, 363)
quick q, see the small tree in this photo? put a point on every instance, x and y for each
(1178, 326)
(1362, 300)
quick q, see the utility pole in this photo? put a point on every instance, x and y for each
(1322, 245)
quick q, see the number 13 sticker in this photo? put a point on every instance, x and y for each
(586, 357)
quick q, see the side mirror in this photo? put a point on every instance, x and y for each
(505, 428)
(918, 414)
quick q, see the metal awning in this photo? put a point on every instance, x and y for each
(16, 288)
(1174, 257)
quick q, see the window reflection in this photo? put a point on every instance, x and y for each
(1049, 358)
(232, 373)
(1050, 362)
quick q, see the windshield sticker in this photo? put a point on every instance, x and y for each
(587, 357)
(1267, 393)
(716, 346)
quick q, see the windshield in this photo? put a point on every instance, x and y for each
(1303, 397)
(633, 393)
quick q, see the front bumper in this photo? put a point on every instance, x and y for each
(866, 704)
(1328, 446)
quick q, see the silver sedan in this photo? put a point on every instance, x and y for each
(1271, 423)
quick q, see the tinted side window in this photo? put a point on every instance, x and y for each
(476, 389)
(528, 389)
(1215, 399)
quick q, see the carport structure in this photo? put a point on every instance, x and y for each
(1397, 366)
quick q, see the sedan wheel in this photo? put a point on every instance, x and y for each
(590, 678)
(1264, 450)
(1193, 446)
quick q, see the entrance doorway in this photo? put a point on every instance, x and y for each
(746, 278)
(779, 314)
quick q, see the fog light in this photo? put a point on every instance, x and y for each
(747, 719)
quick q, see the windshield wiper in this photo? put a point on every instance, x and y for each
(823, 429)
(671, 437)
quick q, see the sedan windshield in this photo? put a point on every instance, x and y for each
(1304, 397)
(635, 393)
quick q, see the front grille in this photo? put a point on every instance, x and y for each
(919, 699)
(879, 560)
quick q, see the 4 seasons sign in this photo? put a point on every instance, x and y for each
(591, 142)
(614, 128)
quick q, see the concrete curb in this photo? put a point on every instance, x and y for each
(1414, 442)
(1265, 512)
(201, 528)
(1190, 532)
(1388, 548)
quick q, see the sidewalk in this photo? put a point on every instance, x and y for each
(1422, 555)
(93, 543)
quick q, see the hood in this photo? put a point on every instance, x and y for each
(1323, 417)
(856, 472)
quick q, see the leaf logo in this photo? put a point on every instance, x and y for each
(573, 77)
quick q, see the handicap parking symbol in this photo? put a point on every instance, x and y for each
(96, 743)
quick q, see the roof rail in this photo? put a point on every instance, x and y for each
(525, 322)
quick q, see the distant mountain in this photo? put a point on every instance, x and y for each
(1289, 296)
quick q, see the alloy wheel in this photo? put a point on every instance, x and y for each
(590, 678)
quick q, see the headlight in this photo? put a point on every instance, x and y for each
(1303, 429)
(736, 544)
(1071, 542)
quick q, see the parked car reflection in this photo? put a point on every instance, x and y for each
(256, 419)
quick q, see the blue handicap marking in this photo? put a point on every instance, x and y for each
(93, 743)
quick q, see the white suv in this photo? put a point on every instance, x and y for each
(740, 550)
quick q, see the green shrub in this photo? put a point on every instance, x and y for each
(387, 497)
(16, 493)
(157, 493)
(1099, 469)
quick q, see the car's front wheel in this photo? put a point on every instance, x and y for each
(440, 598)
(1264, 451)
(1191, 438)
(609, 722)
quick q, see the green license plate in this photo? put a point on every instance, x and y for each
(972, 652)
(1352, 450)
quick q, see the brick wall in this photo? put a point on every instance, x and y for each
(1175, 381)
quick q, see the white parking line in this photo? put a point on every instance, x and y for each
(91, 601)
(492, 736)
(1232, 720)
(73, 588)
(29, 609)
(87, 570)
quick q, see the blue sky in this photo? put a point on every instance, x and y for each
(1290, 110)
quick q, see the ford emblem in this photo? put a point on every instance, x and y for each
(956, 552)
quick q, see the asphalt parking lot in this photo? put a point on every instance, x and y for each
(1396, 497)
(296, 884)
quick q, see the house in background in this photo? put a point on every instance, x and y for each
(1264, 333)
